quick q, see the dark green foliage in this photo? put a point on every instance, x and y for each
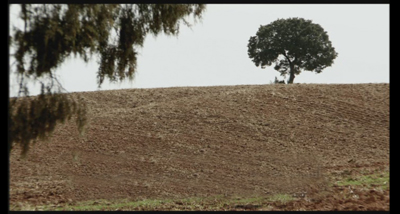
(53, 32)
(293, 44)
(34, 118)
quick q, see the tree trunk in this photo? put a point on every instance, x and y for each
(291, 77)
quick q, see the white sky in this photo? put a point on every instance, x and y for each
(214, 51)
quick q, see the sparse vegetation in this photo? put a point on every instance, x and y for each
(218, 202)
(276, 81)
(377, 180)
(283, 198)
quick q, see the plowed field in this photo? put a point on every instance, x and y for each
(235, 141)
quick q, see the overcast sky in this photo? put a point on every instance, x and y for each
(214, 51)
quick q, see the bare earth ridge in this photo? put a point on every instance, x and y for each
(203, 141)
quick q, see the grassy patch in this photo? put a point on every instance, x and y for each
(380, 180)
(196, 203)
(283, 198)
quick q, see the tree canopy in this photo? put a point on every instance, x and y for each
(293, 44)
(53, 32)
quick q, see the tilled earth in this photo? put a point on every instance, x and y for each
(173, 143)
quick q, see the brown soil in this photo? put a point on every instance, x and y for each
(203, 141)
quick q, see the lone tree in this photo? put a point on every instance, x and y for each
(293, 44)
(53, 32)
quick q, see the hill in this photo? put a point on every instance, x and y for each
(203, 141)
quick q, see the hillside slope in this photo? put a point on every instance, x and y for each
(200, 141)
